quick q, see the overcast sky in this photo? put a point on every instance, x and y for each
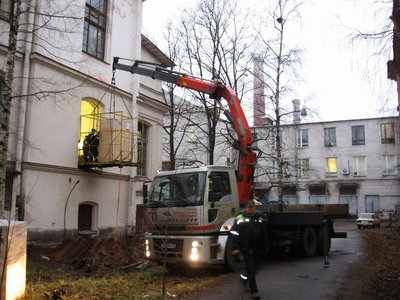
(345, 80)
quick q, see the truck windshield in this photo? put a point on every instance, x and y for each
(177, 190)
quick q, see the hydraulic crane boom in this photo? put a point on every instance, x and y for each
(235, 115)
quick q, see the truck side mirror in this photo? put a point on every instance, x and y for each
(215, 192)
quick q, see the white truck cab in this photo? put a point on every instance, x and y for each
(186, 212)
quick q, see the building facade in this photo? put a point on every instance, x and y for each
(350, 161)
(63, 78)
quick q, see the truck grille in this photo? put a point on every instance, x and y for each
(172, 248)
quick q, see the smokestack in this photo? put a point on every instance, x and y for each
(296, 111)
(258, 97)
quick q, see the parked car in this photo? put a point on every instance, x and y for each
(368, 220)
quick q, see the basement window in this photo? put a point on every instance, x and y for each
(87, 218)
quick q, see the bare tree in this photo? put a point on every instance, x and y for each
(279, 72)
(380, 40)
(216, 45)
(179, 118)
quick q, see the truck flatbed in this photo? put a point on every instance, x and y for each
(329, 211)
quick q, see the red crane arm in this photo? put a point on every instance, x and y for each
(236, 116)
(247, 156)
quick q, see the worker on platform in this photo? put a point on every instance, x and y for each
(91, 146)
(251, 230)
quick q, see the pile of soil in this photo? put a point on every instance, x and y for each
(93, 257)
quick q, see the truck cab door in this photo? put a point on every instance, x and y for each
(220, 205)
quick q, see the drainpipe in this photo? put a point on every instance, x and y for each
(19, 151)
(296, 122)
(134, 109)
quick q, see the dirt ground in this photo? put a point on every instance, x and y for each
(94, 257)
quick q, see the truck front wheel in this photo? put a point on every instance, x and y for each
(233, 256)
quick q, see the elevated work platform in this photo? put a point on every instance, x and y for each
(110, 140)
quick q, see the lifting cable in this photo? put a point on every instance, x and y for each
(114, 86)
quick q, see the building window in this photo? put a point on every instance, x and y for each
(95, 27)
(274, 170)
(359, 166)
(142, 148)
(8, 191)
(317, 194)
(191, 133)
(289, 194)
(302, 138)
(387, 133)
(331, 166)
(5, 9)
(390, 165)
(89, 110)
(273, 139)
(358, 135)
(302, 167)
(330, 137)
(87, 217)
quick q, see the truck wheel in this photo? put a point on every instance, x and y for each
(233, 256)
(308, 242)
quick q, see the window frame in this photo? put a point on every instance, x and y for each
(273, 138)
(392, 170)
(328, 172)
(300, 136)
(100, 26)
(329, 137)
(274, 169)
(190, 132)
(142, 145)
(303, 167)
(354, 132)
(384, 133)
(357, 168)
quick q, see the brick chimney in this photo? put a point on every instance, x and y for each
(296, 111)
(259, 95)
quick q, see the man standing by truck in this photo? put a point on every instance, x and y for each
(250, 228)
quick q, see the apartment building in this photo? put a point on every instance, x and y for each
(63, 88)
(349, 161)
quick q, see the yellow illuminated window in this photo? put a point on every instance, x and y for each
(331, 166)
(87, 123)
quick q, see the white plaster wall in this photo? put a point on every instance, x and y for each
(47, 192)
(50, 159)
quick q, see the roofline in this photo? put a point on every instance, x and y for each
(153, 49)
(326, 122)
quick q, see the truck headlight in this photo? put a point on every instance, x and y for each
(147, 247)
(194, 255)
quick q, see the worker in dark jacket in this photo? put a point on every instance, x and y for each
(250, 228)
(91, 146)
